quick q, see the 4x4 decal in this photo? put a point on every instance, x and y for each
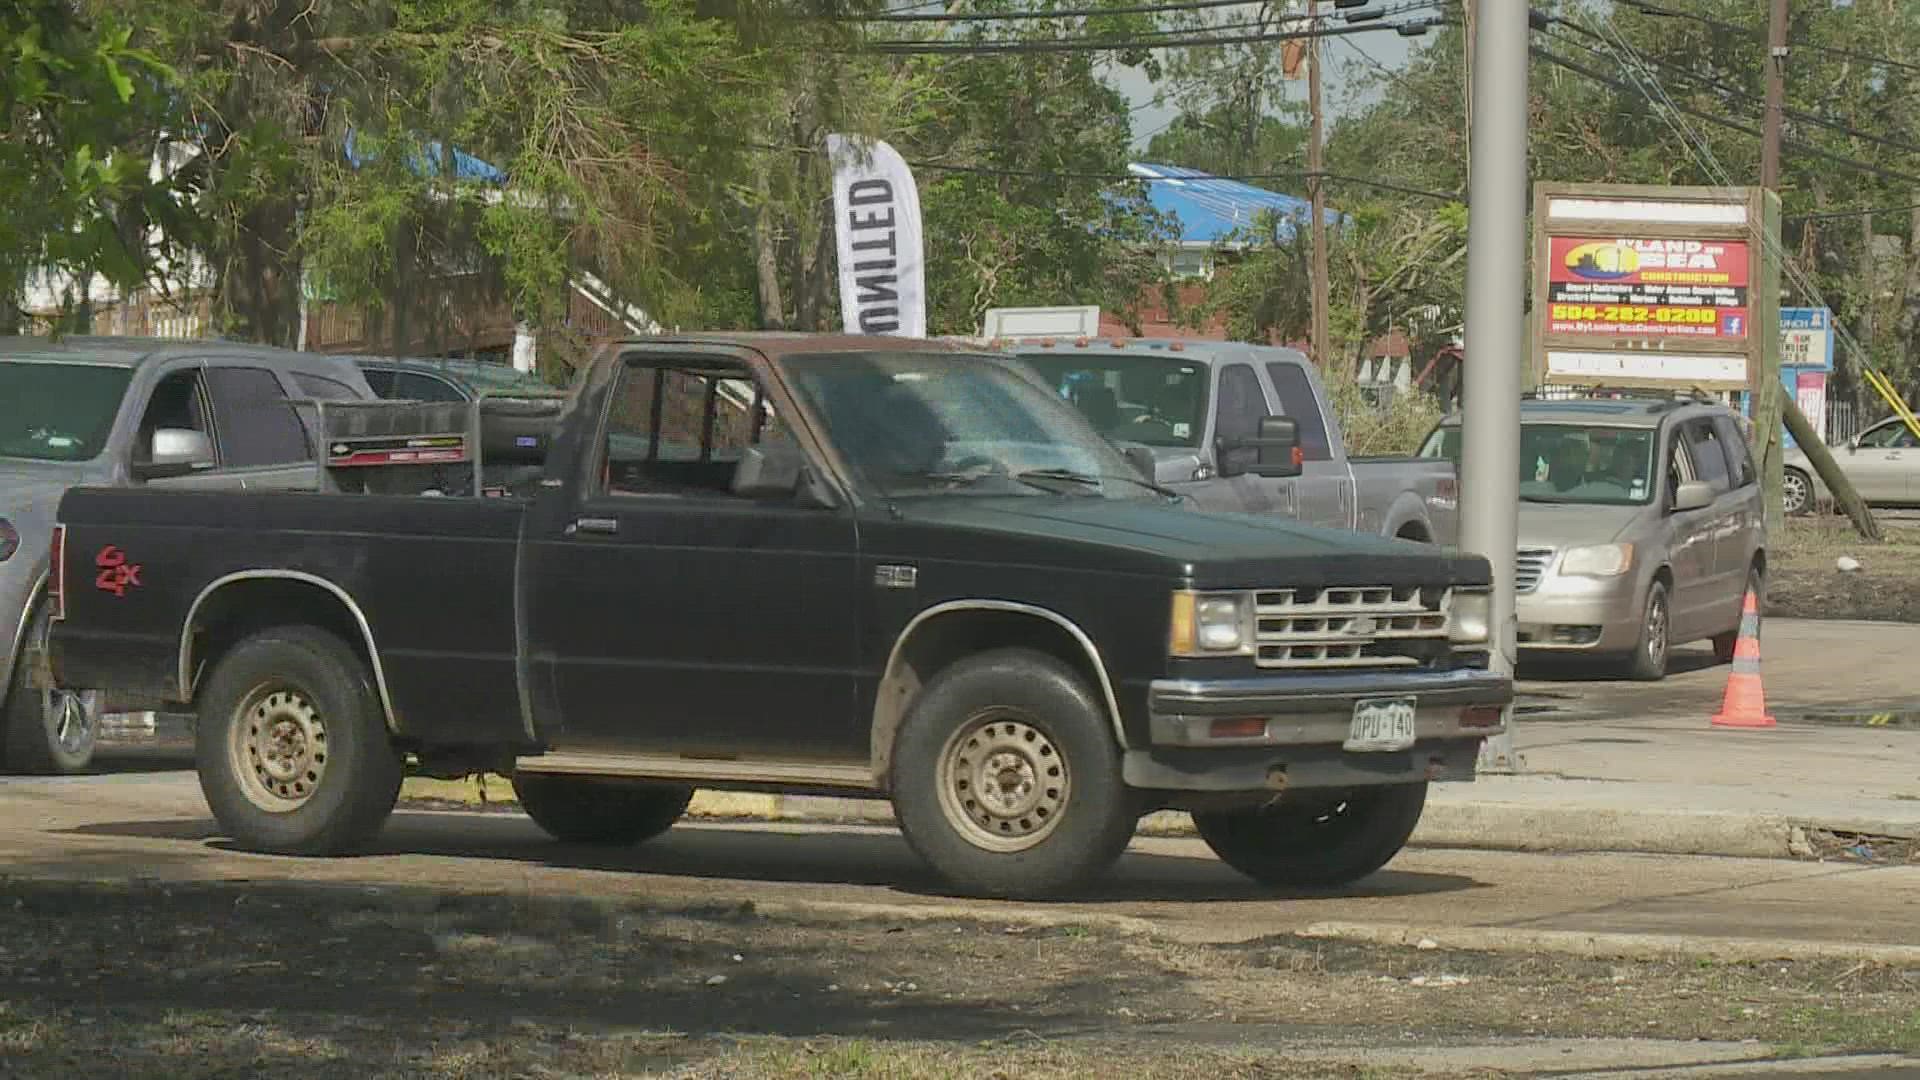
(117, 575)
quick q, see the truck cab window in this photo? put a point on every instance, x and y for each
(675, 430)
(1242, 404)
(1297, 401)
(177, 402)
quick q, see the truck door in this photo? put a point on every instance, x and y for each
(1325, 484)
(666, 614)
(1240, 403)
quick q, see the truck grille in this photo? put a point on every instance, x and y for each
(1350, 627)
(1529, 567)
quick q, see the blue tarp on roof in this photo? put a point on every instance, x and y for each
(1211, 210)
(427, 162)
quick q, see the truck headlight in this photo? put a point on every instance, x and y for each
(1208, 624)
(1470, 618)
(1604, 560)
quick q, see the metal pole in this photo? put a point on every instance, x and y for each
(1316, 190)
(1496, 330)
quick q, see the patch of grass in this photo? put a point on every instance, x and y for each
(1804, 582)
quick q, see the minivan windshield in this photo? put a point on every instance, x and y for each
(1572, 463)
(1152, 400)
(915, 424)
(58, 410)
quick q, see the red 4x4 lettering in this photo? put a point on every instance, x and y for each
(117, 575)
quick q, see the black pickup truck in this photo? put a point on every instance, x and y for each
(804, 564)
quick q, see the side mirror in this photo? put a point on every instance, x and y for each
(177, 452)
(769, 471)
(1853, 445)
(1275, 452)
(1142, 459)
(1692, 495)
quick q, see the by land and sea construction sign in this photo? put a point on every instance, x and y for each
(1645, 286)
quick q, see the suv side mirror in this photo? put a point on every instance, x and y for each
(1275, 452)
(1692, 495)
(176, 452)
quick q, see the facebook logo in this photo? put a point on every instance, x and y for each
(1731, 324)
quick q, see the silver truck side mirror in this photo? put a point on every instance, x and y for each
(180, 450)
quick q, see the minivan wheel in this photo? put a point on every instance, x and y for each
(1796, 492)
(1006, 777)
(1649, 661)
(1725, 644)
(292, 745)
(48, 732)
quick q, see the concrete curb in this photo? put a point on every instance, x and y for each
(1453, 819)
(1612, 946)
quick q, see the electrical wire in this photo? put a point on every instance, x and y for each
(1865, 211)
(922, 48)
(1174, 7)
(1761, 35)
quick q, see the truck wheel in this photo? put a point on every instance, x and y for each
(1649, 660)
(48, 732)
(593, 810)
(292, 745)
(1006, 778)
(1316, 844)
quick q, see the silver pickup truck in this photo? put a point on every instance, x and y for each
(126, 412)
(1191, 402)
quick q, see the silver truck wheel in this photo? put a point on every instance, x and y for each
(1321, 843)
(1006, 777)
(48, 731)
(292, 745)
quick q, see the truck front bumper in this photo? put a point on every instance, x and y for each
(1283, 732)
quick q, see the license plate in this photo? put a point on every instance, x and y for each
(1381, 724)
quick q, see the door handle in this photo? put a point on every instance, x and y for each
(595, 526)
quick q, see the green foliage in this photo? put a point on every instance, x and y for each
(1371, 428)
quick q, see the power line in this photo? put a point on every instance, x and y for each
(1761, 35)
(1096, 45)
(1073, 13)
(1865, 211)
(1711, 118)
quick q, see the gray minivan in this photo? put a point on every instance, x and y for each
(119, 412)
(1641, 525)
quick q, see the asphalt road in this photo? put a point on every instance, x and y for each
(139, 825)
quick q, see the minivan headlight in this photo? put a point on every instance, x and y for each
(1470, 618)
(1603, 560)
(1208, 624)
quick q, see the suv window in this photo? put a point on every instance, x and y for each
(676, 429)
(1242, 404)
(257, 424)
(1739, 458)
(1709, 455)
(1298, 402)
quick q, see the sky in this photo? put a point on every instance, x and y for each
(1344, 65)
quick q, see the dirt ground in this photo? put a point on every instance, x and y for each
(1803, 581)
(225, 980)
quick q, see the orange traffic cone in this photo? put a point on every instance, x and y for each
(1745, 705)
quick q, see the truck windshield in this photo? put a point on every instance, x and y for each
(1154, 400)
(58, 411)
(940, 423)
(1571, 463)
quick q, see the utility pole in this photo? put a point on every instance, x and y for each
(1765, 391)
(1496, 329)
(1316, 190)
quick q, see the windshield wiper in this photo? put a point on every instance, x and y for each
(1091, 479)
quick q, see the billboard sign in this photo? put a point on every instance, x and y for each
(1647, 287)
(1806, 338)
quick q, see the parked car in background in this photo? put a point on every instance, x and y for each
(1641, 526)
(1196, 404)
(411, 379)
(126, 412)
(1882, 463)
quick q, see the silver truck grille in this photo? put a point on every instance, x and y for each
(1349, 627)
(1529, 567)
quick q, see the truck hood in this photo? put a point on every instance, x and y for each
(1564, 525)
(1213, 550)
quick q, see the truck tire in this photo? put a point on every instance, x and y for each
(593, 810)
(1316, 844)
(47, 732)
(292, 745)
(1006, 777)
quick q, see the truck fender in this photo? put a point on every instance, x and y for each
(1408, 513)
(187, 674)
(900, 682)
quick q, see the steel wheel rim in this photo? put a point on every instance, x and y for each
(1003, 784)
(1657, 630)
(277, 746)
(72, 716)
(1793, 491)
